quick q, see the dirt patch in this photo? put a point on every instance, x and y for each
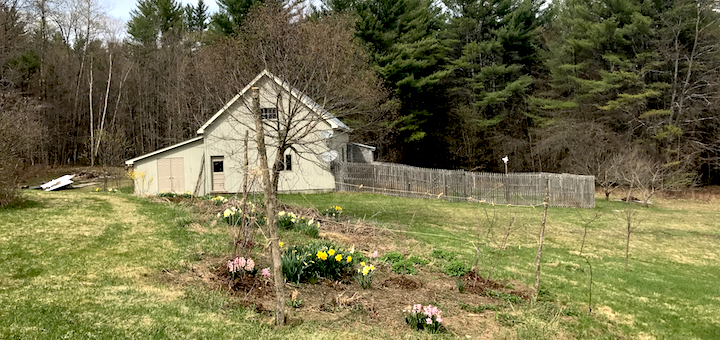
(327, 301)
(402, 282)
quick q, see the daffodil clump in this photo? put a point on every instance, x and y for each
(333, 211)
(186, 194)
(315, 260)
(428, 318)
(306, 225)
(219, 200)
(233, 215)
(364, 275)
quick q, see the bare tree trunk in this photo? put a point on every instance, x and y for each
(538, 257)
(269, 211)
(105, 106)
(92, 119)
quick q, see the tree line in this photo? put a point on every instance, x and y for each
(621, 90)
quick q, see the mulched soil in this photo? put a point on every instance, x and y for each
(345, 301)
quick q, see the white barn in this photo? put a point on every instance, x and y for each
(213, 162)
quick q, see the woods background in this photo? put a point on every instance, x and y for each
(622, 90)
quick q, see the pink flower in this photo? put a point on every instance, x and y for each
(417, 308)
(428, 321)
(240, 262)
(374, 255)
(231, 266)
(265, 272)
(438, 319)
(250, 265)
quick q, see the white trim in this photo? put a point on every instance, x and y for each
(332, 120)
(372, 148)
(189, 141)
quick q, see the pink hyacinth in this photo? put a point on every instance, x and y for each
(231, 266)
(265, 272)
(417, 308)
(250, 265)
(374, 255)
(428, 321)
(438, 319)
(240, 262)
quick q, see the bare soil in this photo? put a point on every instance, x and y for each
(345, 301)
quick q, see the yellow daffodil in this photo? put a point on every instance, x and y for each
(322, 255)
(372, 267)
(362, 263)
(331, 252)
(338, 257)
(281, 244)
(349, 258)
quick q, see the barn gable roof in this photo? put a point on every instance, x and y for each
(329, 118)
(189, 141)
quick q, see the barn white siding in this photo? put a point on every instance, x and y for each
(185, 159)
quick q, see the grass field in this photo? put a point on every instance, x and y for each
(84, 265)
(670, 290)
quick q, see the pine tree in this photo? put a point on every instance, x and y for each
(232, 13)
(495, 53)
(408, 51)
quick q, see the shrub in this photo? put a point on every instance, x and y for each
(392, 257)
(456, 268)
(314, 260)
(426, 318)
(404, 267)
(166, 194)
(443, 254)
(418, 260)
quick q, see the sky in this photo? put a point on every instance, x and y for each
(121, 9)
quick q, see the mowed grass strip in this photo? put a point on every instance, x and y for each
(81, 265)
(670, 290)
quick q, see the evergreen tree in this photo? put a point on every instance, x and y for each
(495, 54)
(155, 20)
(196, 17)
(408, 51)
(231, 15)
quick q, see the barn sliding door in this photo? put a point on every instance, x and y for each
(171, 175)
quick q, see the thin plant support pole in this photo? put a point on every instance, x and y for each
(590, 287)
(269, 211)
(245, 189)
(538, 257)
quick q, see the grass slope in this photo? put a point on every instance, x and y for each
(84, 265)
(670, 290)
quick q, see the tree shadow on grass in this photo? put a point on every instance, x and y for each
(21, 204)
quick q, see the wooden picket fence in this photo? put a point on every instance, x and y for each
(528, 189)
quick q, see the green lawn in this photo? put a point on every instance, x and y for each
(84, 265)
(670, 291)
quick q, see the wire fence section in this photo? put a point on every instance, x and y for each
(528, 189)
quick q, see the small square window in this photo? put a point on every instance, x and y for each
(269, 113)
(217, 164)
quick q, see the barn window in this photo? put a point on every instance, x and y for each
(217, 163)
(269, 113)
(287, 165)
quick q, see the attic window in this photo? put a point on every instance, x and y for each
(269, 113)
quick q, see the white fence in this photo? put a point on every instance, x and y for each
(457, 185)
